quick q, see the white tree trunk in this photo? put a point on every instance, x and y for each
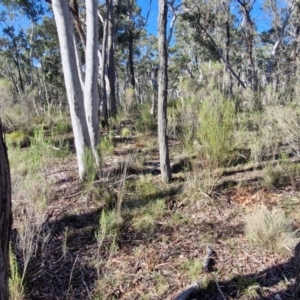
(163, 92)
(79, 63)
(282, 27)
(63, 20)
(91, 95)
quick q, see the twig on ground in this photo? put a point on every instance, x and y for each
(220, 291)
(71, 275)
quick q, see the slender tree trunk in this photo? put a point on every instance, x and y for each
(91, 95)
(75, 12)
(163, 92)
(154, 72)
(79, 64)
(130, 60)
(130, 39)
(103, 71)
(229, 85)
(63, 20)
(5, 218)
(111, 58)
(246, 7)
(21, 89)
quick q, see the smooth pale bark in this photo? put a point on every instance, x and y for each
(63, 20)
(79, 64)
(103, 70)
(75, 12)
(5, 218)
(91, 94)
(281, 32)
(163, 92)
(174, 9)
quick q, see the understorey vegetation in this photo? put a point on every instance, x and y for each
(147, 167)
(123, 234)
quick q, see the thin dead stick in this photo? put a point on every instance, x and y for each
(220, 291)
(71, 275)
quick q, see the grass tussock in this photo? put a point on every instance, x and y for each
(33, 194)
(274, 176)
(145, 218)
(106, 146)
(271, 229)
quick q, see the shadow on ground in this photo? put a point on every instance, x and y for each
(275, 283)
(64, 266)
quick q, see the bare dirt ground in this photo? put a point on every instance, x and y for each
(152, 264)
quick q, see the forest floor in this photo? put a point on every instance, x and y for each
(162, 259)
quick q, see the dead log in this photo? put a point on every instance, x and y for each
(209, 259)
(5, 218)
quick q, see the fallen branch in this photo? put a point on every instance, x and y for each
(191, 291)
(220, 291)
(209, 259)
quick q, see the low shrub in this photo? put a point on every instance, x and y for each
(216, 131)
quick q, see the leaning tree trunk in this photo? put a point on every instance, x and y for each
(5, 218)
(163, 92)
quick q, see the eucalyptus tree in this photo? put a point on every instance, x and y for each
(112, 101)
(146, 61)
(213, 30)
(163, 91)
(18, 39)
(280, 23)
(131, 24)
(248, 32)
(83, 100)
(174, 9)
(12, 50)
(47, 66)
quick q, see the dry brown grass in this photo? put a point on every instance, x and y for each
(271, 229)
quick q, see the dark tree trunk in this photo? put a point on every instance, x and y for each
(154, 73)
(111, 59)
(130, 60)
(163, 92)
(5, 218)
